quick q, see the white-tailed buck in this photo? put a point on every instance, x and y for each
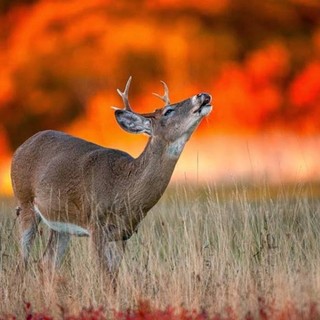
(79, 188)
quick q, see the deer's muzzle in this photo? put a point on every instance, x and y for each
(203, 101)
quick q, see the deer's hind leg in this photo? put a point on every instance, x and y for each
(28, 222)
(56, 249)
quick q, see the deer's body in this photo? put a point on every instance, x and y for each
(89, 181)
(79, 188)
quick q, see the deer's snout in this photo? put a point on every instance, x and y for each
(201, 104)
(204, 98)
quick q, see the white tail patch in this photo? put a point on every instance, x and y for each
(64, 227)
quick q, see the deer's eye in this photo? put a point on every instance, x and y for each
(168, 111)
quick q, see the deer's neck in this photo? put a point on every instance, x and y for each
(154, 168)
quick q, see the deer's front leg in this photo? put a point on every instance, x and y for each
(112, 256)
(110, 253)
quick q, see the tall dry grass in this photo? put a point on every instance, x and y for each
(200, 247)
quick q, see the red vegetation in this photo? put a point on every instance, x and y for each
(59, 58)
(145, 311)
(61, 62)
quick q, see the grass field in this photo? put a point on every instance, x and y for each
(212, 248)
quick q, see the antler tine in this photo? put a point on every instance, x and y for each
(165, 97)
(124, 95)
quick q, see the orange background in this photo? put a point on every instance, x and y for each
(61, 62)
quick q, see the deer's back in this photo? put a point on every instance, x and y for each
(52, 167)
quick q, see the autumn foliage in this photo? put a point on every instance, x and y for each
(61, 62)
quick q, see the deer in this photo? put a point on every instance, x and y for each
(79, 188)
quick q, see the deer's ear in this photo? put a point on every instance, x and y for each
(133, 122)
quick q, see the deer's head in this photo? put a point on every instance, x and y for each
(172, 123)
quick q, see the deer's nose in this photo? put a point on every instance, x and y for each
(205, 98)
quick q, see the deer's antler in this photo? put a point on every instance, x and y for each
(165, 97)
(124, 96)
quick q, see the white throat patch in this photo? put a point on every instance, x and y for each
(175, 148)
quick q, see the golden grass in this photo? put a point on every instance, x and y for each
(207, 247)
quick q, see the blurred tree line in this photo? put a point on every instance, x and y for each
(7, 5)
(61, 60)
